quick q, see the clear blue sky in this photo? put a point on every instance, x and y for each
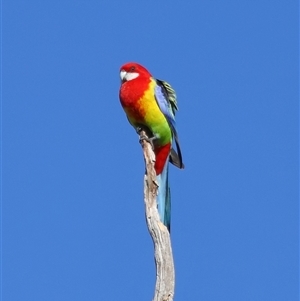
(73, 223)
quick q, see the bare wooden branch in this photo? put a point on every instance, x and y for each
(165, 273)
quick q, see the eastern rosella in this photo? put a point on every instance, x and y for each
(150, 105)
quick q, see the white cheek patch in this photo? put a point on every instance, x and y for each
(131, 75)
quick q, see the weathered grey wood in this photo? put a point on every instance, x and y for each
(165, 273)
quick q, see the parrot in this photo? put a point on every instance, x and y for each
(150, 105)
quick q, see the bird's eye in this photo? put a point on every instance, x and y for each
(132, 68)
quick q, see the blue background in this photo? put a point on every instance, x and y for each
(73, 223)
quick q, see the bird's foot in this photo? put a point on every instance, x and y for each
(143, 137)
(139, 129)
(149, 140)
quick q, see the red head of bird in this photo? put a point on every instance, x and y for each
(130, 71)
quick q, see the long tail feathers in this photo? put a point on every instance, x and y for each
(164, 197)
(162, 155)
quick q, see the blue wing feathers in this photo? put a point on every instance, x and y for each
(166, 99)
(165, 106)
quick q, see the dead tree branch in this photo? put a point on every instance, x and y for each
(165, 273)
